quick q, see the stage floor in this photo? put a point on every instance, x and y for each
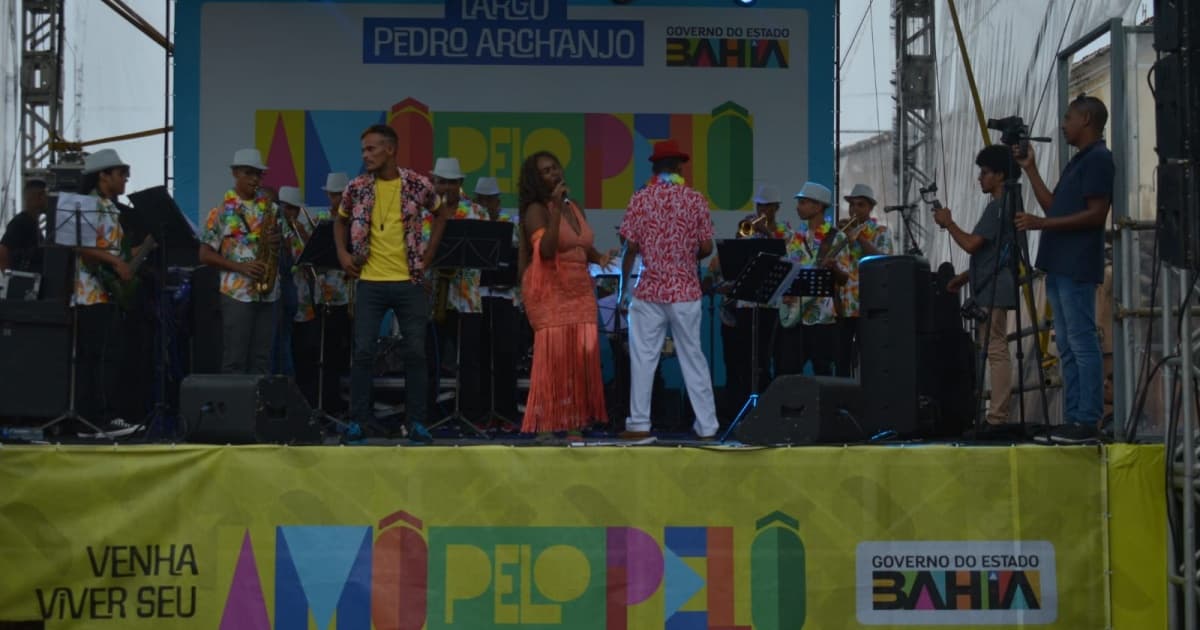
(495, 536)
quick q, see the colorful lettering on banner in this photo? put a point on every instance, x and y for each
(956, 582)
(532, 577)
(604, 153)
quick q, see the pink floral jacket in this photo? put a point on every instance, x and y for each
(417, 195)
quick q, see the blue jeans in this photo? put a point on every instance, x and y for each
(411, 307)
(1074, 305)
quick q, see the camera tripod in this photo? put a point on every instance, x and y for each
(1012, 255)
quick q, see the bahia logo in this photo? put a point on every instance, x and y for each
(956, 583)
(406, 576)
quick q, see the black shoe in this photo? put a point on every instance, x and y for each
(1073, 433)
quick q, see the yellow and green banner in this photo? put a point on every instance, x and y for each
(259, 538)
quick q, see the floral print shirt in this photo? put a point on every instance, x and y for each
(463, 294)
(106, 223)
(416, 199)
(233, 230)
(848, 293)
(805, 248)
(330, 282)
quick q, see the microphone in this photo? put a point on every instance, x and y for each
(901, 208)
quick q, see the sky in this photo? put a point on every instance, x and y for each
(119, 73)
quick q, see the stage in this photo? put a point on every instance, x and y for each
(670, 536)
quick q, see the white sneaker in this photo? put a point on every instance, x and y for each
(116, 428)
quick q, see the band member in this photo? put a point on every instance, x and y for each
(566, 388)
(668, 223)
(736, 338)
(242, 238)
(990, 274)
(812, 245)
(319, 294)
(458, 306)
(1071, 253)
(500, 323)
(335, 184)
(381, 218)
(21, 246)
(867, 238)
(98, 269)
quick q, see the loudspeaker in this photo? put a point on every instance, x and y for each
(799, 409)
(898, 343)
(206, 321)
(35, 341)
(244, 409)
(1171, 25)
(58, 274)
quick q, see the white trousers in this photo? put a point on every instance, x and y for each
(648, 323)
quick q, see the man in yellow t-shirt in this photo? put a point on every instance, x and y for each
(379, 241)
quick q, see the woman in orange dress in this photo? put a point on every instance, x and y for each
(566, 389)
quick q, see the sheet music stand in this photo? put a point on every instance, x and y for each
(320, 253)
(735, 256)
(70, 226)
(469, 244)
(503, 277)
(178, 246)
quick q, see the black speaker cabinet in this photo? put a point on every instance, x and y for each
(799, 409)
(35, 343)
(245, 409)
(898, 362)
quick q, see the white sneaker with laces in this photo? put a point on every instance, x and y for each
(116, 428)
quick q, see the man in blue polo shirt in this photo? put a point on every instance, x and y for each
(1072, 255)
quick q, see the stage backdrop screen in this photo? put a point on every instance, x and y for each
(746, 90)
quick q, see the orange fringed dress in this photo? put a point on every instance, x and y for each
(566, 388)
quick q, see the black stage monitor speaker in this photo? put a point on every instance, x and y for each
(35, 343)
(245, 409)
(799, 409)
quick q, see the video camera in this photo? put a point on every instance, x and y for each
(1013, 130)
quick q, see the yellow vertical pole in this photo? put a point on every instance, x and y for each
(1027, 290)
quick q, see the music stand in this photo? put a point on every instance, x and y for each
(469, 244)
(320, 252)
(74, 216)
(178, 247)
(735, 256)
(503, 277)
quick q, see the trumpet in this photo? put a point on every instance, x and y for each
(746, 227)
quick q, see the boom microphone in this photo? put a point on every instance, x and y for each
(901, 208)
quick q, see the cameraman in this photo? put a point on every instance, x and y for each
(1072, 255)
(990, 273)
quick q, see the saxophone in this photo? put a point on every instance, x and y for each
(791, 313)
(266, 254)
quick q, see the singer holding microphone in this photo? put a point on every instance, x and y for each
(566, 389)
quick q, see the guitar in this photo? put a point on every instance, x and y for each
(121, 292)
(790, 313)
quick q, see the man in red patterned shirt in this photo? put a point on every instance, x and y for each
(669, 225)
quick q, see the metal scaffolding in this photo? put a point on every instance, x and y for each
(41, 83)
(916, 102)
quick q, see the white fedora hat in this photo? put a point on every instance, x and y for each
(336, 182)
(862, 190)
(447, 168)
(248, 157)
(102, 160)
(816, 192)
(487, 186)
(291, 196)
(767, 194)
